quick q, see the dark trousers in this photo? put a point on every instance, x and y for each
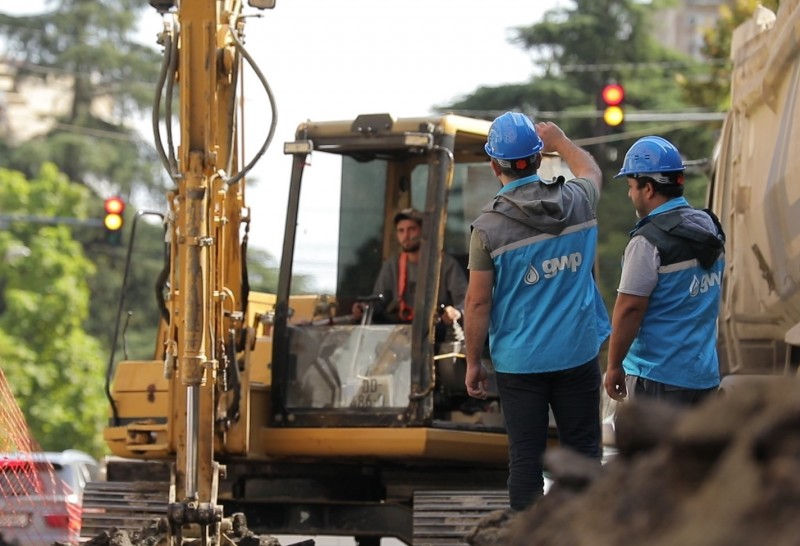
(639, 387)
(574, 397)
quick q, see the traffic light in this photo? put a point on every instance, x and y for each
(113, 220)
(612, 96)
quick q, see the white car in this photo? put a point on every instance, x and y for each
(40, 496)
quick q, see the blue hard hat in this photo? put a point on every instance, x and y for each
(651, 155)
(513, 136)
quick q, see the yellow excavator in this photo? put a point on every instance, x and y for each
(280, 413)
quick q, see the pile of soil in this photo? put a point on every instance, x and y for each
(722, 474)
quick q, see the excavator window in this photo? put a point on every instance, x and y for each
(346, 366)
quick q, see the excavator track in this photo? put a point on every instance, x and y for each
(127, 506)
(444, 518)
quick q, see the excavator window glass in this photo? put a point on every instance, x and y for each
(346, 365)
(473, 186)
(361, 221)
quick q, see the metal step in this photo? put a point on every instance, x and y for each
(443, 518)
(127, 506)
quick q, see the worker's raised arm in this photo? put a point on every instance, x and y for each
(579, 161)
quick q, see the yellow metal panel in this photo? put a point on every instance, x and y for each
(260, 359)
(140, 376)
(400, 443)
(141, 405)
(117, 440)
(259, 303)
(448, 123)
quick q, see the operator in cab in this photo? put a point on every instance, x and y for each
(397, 280)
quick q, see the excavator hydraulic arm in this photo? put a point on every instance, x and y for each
(206, 211)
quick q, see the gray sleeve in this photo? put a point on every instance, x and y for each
(455, 281)
(639, 268)
(480, 258)
(590, 189)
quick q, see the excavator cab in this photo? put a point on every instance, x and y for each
(330, 368)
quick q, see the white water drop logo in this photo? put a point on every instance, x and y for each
(694, 288)
(704, 283)
(532, 276)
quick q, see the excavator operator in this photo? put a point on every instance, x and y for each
(396, 283)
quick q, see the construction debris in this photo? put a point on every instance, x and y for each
(156, 535)
(723, 474)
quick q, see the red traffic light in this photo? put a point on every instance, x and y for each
(114, 205)
(613, 94)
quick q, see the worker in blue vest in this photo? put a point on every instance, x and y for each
(531, 289)
(664, 325)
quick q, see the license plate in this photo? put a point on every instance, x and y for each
(374, 392)
(14, 520)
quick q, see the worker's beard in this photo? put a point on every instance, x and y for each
(412, 245)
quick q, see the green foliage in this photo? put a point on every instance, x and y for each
(262, 271)
(88, 47)
(54, 368)
(135, 304)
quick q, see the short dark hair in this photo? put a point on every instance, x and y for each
(671, 190)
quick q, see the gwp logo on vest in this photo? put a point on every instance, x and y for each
(702, 285)
(554, 266)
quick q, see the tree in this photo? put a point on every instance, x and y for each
(53, 366)
(89, 46)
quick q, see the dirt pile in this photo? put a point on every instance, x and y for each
(726, 473)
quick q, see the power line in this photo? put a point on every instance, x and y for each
(660, 129)
(634, 116)
(637, 116)
(607, 67)
(99, 133)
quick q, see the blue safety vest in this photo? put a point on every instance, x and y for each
(677, 340)
(547, 314)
